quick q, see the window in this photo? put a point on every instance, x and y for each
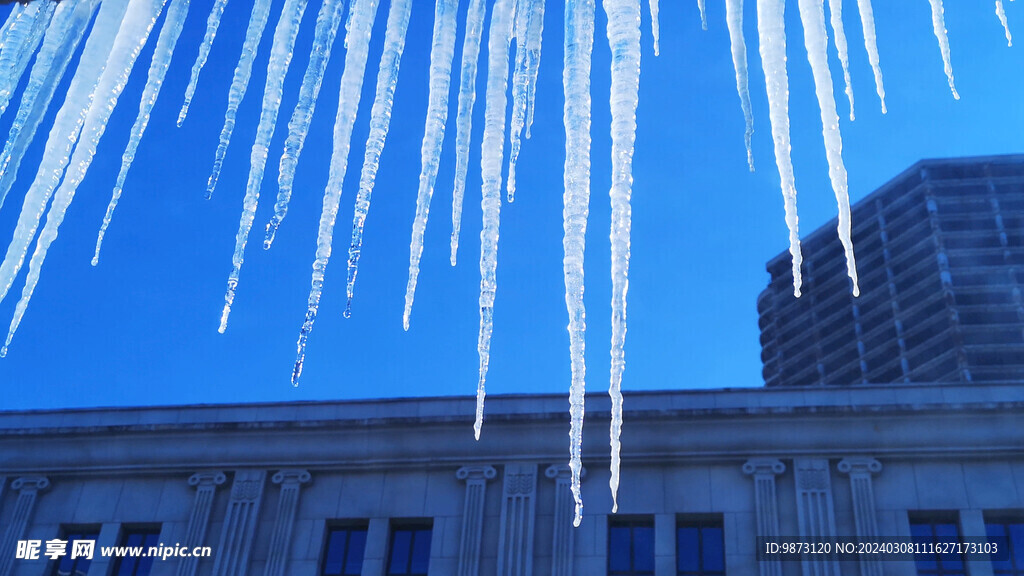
(135, 542)
(934, 530)
(700, 548)
(1010, 533)
(631, 548)
(410, 550)
(343, 555)
(66, 565)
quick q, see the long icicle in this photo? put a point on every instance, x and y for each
(579, 44)
(835, 10)
(165, 43)
(212, 24)
(812, 16)
(380, 122)
(867, 22)
(624, 41)
(131, 37)
(239, 86)
(282, 48)
(520, 79)
(1001, 14)
(62, 38)
(771, 24)
(939, 27)
(534, 41)
(327, 22)
(464, 120)
(734, 20)
(703, 15)
(655, 26)
(17, 33)
(62, 137)
(362, 15)
(14, 69)
(16, 14)
(498, 40)
(442, 51)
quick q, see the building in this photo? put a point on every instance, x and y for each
(401, 487)
(940, 251)
(709, 477)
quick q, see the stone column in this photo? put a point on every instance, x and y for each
(206, 484)
(518, 505)
(375, 556)
(860, 470)
(476, 479)
(239, 524)
(815, 513)
(563, 534)
(291, 482)
(28, 488)
(764, 471)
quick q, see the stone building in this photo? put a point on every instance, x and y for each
(940, 252)
(400, 486)
(927, 448)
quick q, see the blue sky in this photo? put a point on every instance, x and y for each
(140, 328)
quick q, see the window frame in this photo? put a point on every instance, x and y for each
(85, 532)
(126, 532)
(701, 523)
(416, 527)
(349, 527)
(631, 522)
(932, 520)
(1015, 557)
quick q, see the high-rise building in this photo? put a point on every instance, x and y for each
(940, 254)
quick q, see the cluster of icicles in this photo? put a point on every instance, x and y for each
(52, 32)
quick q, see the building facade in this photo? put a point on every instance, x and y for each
(400, 487)
(940, 254)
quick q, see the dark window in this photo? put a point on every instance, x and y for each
(631, 548)
(935, 530)
(66, 565)
(700, 548)
(343, 553)
(135, 543)
(410, 550)
(1010, 533)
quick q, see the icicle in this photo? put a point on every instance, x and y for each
(62, 38)
(520, 78)
(363, 13)
(442, 51)
(579, 44)
(939, 26)
(327, 22)
(17, 33)
(1001, 14)
(17, 12)
(812, 16)
(624, 41)
(656, 28)
(239, 85)
(212, 23)
(165, 44)
(380, 121)
(534, 38)
(63, 136)
(835, 9)
(703, 15)
(25, 45)
(281, 52)
(499, 37)
(772, 32)
(464, 120)
(734, 19)
(131, 37)
(867, 21)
